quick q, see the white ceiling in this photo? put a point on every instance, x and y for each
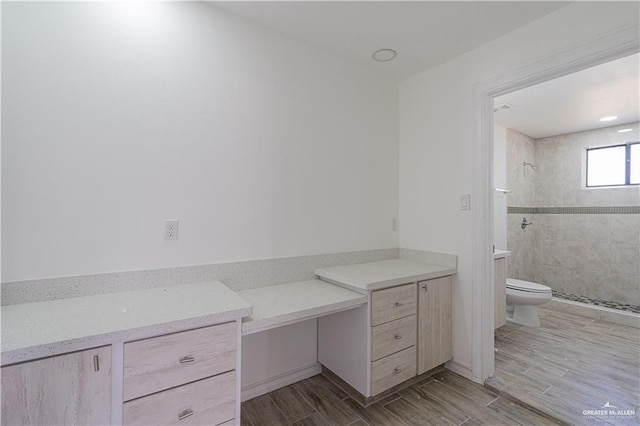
(424, 33)
(575, 102)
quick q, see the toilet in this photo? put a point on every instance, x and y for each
(525, 297)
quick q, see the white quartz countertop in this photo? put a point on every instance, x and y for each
(382, 274)
(500, 254)
(35, 330)
(284, 304)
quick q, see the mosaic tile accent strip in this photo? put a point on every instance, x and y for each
(597, 302)
(521, 210)
(575, 210)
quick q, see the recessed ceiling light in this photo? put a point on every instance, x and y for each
(609, 118)
(384, 55)
(625, 130)
(500, 107)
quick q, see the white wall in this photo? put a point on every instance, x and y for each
(117, 117)
(436, 133)
(500, 181)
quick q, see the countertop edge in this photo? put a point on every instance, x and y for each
(254, 326)
(379, 285)
(30, 353)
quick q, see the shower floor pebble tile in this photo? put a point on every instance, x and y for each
(597, 302)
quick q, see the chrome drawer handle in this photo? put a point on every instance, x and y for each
(187, 359)
(185, 414)
(397, 371)
(399, 303)
(397, 337)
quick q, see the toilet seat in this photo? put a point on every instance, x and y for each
(527, 286)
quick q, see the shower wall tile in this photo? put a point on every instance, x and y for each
(625, 258)
(595, 197)
(548, 194)
(553, 276)
(551, 253)
(625, 229)
(566, 153)
(549, 226)
(599, 255)
(626, 197)
(574, 254)
(598, 228)
(625, 287)
(576, 281)
(520, 242)
(574, 227)
(520, 148)
(592, 254)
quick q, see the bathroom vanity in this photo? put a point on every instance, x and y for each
(500, 289)
(153, 356)
(173, 354)
(404, 331)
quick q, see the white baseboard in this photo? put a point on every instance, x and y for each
(281, 380)
(461, 369)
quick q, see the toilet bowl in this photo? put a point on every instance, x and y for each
(525, 297)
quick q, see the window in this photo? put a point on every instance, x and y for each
(617, 165)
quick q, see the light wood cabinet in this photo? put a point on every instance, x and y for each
(182, 378)
(404, 331)
(210, 401)
(434, 323)
(500, 292)
(392, 337)
(393, 303)
(159, 363)
(393, 370)
(68, 389)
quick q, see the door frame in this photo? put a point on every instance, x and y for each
(610, 46)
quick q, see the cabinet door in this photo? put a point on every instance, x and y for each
(500, 270)
(70, 389)
(434, 323)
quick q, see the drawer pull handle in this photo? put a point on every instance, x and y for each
(96, 363)
(187, 359)
(397, 337)
(397, 371)
(399, 303)
(185, 414)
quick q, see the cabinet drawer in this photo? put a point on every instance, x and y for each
(393, 303)
(393, 370)
(393, 337)
(210, 401)
(159, 363)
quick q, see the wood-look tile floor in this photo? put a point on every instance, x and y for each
(570, 364)
(443, 399)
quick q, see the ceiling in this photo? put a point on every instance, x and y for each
(575, 102)
(424, 33)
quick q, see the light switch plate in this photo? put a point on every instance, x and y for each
(465, 202)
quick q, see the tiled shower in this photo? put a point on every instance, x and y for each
(584, 243)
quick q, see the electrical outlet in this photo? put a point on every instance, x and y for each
(170, 230)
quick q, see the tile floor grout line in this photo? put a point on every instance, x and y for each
(496, 398)
(243, 413)
(280, 409)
